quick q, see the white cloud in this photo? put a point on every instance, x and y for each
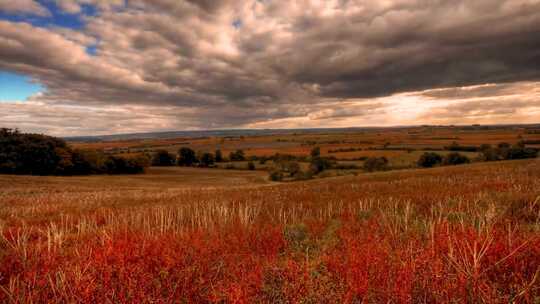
(28, 7)
(218, 64)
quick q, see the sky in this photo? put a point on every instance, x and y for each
(16, 87)
(95, 67)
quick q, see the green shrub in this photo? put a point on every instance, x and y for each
(457, 147)
(429, 159)
(276, 176)
(163, 158)
(455, 158)
(238, 155)
(372, 164)
(120, 165)
(251, 166)
(346, 166)
(186, 157)
(521, 152)
(206, 159)
(319, 164)
(315, 152)
(219, 156)
(289, 167)
(35, 154)
(488, 153)
(303, 175)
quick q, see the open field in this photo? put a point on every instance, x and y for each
(270, 151)
(462, 234)
(414, 137)
(155, 179)
(394, 143)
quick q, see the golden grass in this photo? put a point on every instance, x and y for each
(155, 179)
(448, 234)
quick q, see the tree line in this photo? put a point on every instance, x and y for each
(502, 151)
(187, 157)
(287, 167)
(36, 154)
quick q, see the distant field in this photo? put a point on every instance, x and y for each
(367, 143)
(156, 178)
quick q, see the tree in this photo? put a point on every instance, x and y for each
(485, 147)
(36, 154)
(521, 152)
(457, 147)
(503, 145)
(429, 159)
(454, 146)
(455, 159)
(207, 159)
(375, 164)
(319, 164)
(120, 165)
(315, 152)
(186, 157)
(489, 153)
(219, 156)
(87, 162)
(163, 158)
(276, 176)
(290, 167)
(238, 155)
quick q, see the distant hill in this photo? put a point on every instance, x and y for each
(213, 133)
(261, 132)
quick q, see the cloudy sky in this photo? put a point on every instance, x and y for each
(84, 67)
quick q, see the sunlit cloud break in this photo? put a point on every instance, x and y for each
(134, 66)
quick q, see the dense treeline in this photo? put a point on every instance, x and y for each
(503, 151)
(287, 166)
(35, 154)
(186, 157)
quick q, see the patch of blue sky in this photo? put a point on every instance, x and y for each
(57, 17)
(91, 50)
(16, 87)
(237, 23)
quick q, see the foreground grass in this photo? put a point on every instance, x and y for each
(445, 235)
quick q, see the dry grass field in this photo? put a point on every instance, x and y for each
(462, 234)
(366, 143)
(155, 179)
(270, 151)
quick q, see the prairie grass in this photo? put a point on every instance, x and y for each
(464, 234)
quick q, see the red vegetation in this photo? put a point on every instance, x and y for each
(458, 235)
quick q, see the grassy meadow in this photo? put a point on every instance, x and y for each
(400, 139)
(401, 146)
(461, 234)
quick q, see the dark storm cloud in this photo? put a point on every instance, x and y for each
(230, 63)
(409, 49)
